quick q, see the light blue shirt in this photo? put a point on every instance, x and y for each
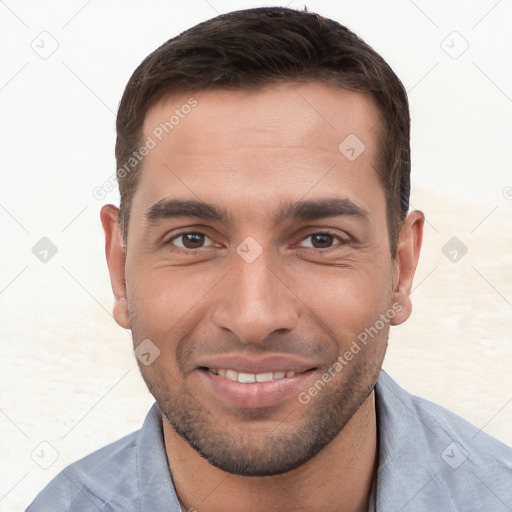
(430, 460)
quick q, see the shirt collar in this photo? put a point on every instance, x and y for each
(410, 470)
(156, 487)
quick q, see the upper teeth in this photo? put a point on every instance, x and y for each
(249, 378)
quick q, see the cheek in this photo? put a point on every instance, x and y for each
(162, 309)
(166, 302)
(347, 301)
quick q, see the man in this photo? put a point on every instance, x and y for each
(262, 249)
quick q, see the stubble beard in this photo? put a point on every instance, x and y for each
(246, 450)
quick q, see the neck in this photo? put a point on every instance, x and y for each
(338, 478)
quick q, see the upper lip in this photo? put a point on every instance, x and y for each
(257, 365)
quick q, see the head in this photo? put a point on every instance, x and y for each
(256, 48)
(263, 165)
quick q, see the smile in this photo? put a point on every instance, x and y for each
(251, 378)
(246, 389)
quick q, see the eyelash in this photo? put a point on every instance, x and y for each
(186, 251)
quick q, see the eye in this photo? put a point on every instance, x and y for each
(320, 240)
(190, 240)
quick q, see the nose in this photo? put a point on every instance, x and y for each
(255, 302)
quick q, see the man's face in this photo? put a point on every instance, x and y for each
(258, 251)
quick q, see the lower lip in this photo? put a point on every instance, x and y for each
(257, 394)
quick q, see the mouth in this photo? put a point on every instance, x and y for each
(242, 389)
(251, 378)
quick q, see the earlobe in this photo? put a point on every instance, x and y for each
(116, 260)
(406, 261)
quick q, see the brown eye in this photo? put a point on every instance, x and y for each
(320, 241)
(190, 240)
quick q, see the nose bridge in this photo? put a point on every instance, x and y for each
(254, 302)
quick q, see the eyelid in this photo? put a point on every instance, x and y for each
(170, 241)
(340, 239)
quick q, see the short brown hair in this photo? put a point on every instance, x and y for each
(253, 48)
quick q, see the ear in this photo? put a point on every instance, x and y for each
(116, 259)
(408, 253)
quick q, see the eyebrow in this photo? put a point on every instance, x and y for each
(172, 208)
(300, 210)
(319, 209)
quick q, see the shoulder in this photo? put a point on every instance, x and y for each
(422, 443)
(436, 420)
(86, 485)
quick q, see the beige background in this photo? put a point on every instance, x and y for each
(68, 377)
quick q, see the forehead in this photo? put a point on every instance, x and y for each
(282, 142)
